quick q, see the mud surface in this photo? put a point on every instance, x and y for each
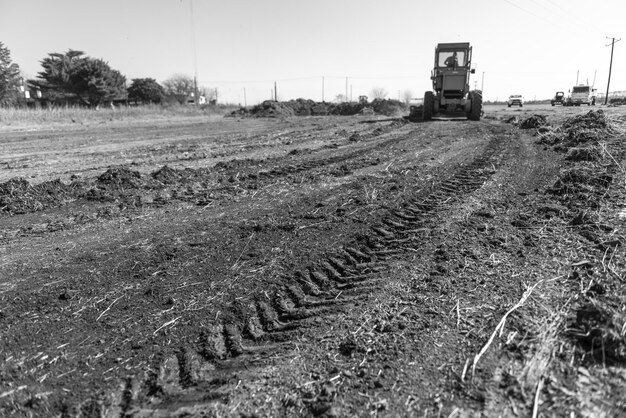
(316, 266)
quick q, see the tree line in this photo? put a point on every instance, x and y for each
(73, 77)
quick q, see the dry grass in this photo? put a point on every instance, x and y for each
(558, 372)
(28, 118)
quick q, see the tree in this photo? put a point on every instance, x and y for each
(95, 82)
(9, 78)
(73, 75)
(146, 90)
(180, 86)
(379, 93)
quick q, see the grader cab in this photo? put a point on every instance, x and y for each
(451, 93)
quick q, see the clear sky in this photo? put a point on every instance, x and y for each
(530, 47)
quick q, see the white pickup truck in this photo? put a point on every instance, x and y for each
(515, 99)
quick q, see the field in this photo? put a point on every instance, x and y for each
(187, 265)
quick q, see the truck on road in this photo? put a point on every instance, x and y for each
(558, 98)
(581, 94)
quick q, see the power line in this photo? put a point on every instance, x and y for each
(541, 5)
(567, 12)
(261, 81)
(545, 19)
(529, 12)
(343, 77)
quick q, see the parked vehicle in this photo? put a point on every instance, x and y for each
(558, 98)
(515, 99)
(581, 94)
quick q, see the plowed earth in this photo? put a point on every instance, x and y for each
(315, 266)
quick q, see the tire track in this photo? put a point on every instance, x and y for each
(195, 377)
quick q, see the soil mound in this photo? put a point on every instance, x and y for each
(18, 196)
(304, 107)
(533, 122)
(270, 109)
(388, 107)
(166, 175)
(348, 109)
(592, 126)
(581, 179)
(581, 129)
(120, 177)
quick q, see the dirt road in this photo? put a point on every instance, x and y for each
(314, 266)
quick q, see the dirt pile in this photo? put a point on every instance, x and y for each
(166, 175)
(348, 109)
(533, 122)
(579, 130)
(388, 107)
(18, 196)
(120, 177)
(303, 107)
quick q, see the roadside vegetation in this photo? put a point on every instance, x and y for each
(27, 117)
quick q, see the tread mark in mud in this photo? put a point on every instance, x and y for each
(169, 376)
(287, 309)
(254, 328)
(352, 262)
(296, 294)
(213, 343)
(394, 224)
(320, 279)
(383, 232)
(308, 286)
(330, 286)
(233, 340)
(340, 267)
(332, 273)
(269, 319)
(358, 254)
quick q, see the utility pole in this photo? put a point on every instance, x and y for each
(275, 92)
(482, 83)
(322, 89)
(245, 102)
(606, 98)
(346, 89)
(195, 55)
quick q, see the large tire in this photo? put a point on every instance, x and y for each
(476, 98)
(429, 106)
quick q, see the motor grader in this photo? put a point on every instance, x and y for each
(451, 95)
